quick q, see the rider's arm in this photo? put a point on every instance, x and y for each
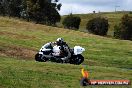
(68, 53)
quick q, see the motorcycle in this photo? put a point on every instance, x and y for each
(53, 55)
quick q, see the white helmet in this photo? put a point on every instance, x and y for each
(60, 40)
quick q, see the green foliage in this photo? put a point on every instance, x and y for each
(2, 11)
(24, 14)
(4, 7)
(117, 31)
(124, 29)
(43, 11)
(10, 7)
(130, 12)
(71, 22)
(40, 11)
(98, 26)
(14, 8)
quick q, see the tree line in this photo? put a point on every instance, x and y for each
(99, 26)
(39, 11)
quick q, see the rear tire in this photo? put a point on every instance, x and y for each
(40, 58)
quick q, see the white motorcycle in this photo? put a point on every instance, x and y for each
(54, 55)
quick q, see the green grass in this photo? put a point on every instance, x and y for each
(31, 74)
(105, 58)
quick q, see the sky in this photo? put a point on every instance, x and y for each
(88, 6)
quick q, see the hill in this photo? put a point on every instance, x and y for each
(113, 18)
(105, 58)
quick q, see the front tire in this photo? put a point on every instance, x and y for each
(38, 57)
(79, 59)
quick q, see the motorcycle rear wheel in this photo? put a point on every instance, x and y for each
(40, 58)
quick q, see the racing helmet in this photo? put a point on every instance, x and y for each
(59, 41)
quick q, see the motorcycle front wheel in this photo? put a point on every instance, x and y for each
(79, 59)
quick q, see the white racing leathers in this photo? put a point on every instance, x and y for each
(62, 51)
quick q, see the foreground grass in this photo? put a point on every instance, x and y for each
(30, 74)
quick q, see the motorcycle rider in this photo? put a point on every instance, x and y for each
(64, 48)
(60, 52)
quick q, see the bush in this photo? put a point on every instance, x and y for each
(130, 12)
(71, 22)
(124, 29)
(98, 26)
(117, 32)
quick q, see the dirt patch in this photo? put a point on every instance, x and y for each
(17, 51)
(2, 54)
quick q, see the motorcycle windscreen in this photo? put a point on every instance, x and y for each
(78, 50)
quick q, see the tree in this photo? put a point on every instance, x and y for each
(98, 26)
(4, 7)
(14, 8)
(40, 11)
(2, 11)
(124, 29)
(10, 7)
(44, 11)
(71, 22)
(23, 10)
